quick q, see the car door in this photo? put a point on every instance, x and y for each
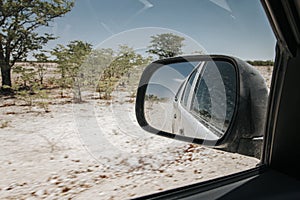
(277, 176)
(183, 106)
(201, 102)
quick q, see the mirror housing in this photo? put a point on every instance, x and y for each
(246, 127)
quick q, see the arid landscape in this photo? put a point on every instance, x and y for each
(70, 71)
(96, 150)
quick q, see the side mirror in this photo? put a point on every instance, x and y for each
(217, 101)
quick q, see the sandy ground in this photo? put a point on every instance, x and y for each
(96, 150)
(266, 72)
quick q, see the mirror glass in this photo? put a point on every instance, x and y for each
(193, 99)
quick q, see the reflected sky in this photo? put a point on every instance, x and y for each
(167, 79)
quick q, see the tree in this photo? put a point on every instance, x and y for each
(95, 64)
(41, 59)
(118, 71)
(19, 22)
(70, 58)
(60, 52)
(166, 45)
(261, 62)
(27, 76)
(77, 54)
(30, 90)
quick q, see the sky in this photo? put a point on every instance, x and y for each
(230, 27)
(166, 81)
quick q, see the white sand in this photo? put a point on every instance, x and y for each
(97, 151)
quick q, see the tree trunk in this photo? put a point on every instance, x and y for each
(76, 91)
(6, 75)
(41, 80)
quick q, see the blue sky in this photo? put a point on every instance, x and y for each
(231, 27)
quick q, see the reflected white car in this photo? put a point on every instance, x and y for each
(204, 103)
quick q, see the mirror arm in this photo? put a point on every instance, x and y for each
(245, 146)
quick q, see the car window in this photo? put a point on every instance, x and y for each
(69, 76)
(202, 100)
(201, 103)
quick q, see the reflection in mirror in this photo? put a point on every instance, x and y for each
(160, 93)
(194, 99)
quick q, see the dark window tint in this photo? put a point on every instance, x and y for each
(215, 94)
